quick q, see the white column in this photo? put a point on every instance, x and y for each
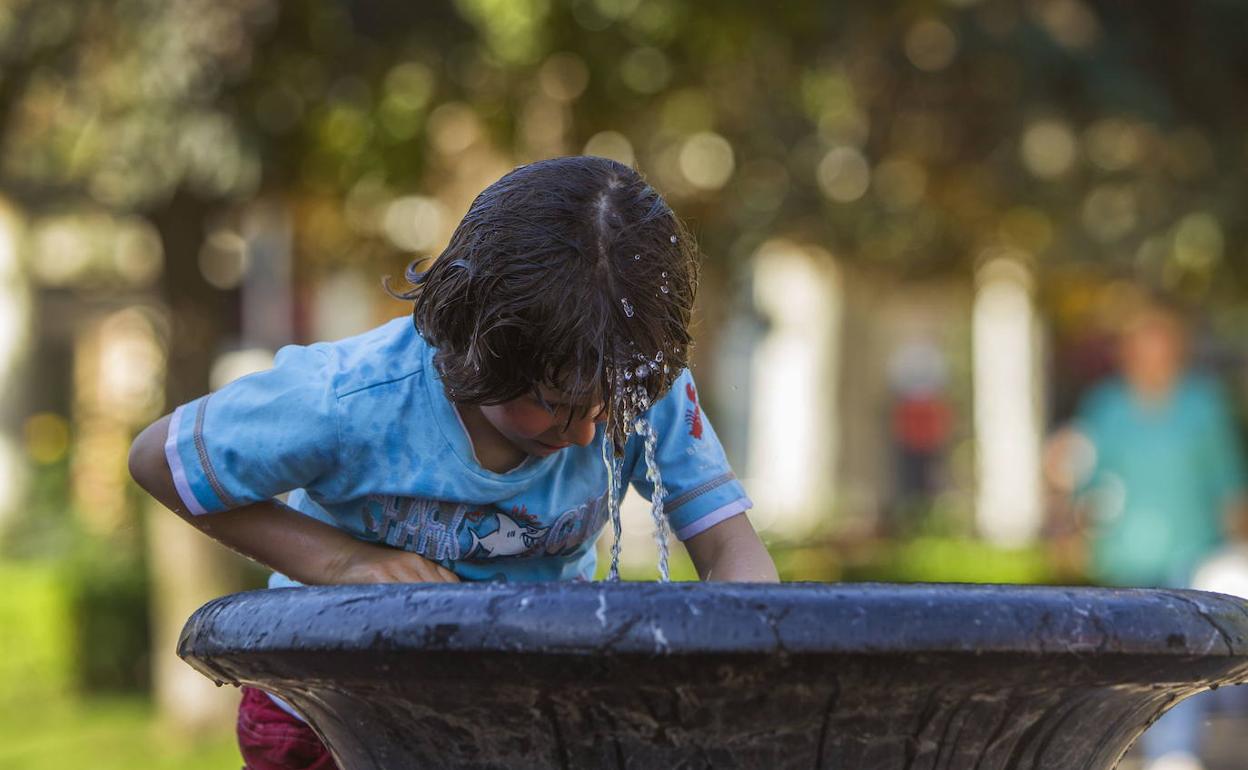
(14, 339)
(1007, 381)
(794, 386)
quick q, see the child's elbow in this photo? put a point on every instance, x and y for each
(147, 456)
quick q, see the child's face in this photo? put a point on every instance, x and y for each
(539, 431)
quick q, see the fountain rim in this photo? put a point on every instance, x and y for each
(587, 618)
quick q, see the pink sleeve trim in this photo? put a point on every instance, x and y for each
(176, 469)
(740, 505)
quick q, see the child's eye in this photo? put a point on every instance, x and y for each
(546, 405)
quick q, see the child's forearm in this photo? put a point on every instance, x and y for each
(277, 535)
(731, 551)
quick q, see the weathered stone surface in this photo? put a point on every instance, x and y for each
(852, 677)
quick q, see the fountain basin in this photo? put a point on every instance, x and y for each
(643, 675)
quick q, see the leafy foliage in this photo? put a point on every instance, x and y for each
(915, 136)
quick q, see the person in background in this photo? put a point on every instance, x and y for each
(1154, 467)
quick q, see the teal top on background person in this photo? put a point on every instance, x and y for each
(1160, 482)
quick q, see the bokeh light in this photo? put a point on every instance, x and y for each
(706, 160)
(1109, 212)
(646, 70)
(1048, 148)
(138, 255)
(64, 252)
(130, 371)
(1071, 23)
(843, 174)
(414, 222)
(563, 76)
(453, 128)
(223, 259)
(408, 88)
(1198, 242)
(611, 144)
(1113, 144)
(931, 45)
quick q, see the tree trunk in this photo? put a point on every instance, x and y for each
(187, 568)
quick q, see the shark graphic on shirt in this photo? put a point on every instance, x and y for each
(510, 539)
(433, 528)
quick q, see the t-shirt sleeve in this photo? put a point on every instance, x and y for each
(261, 435)
(701, 488)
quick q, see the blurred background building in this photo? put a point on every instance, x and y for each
(921, 221)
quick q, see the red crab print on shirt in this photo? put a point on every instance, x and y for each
(521, 514)
(693, 416)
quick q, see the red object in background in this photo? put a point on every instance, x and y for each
(922, 423)
(271, 739)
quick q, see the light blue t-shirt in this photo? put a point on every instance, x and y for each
(362, 434)
(1163, 477)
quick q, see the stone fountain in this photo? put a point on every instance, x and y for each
(642, 675)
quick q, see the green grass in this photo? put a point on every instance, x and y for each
(36, 646)
(103, 734)
(956, 560)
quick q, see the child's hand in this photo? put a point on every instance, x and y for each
(366, 563)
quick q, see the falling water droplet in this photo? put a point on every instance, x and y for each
(658, 356)
(628, 306)
(636, 257)
(673, 239)
(665, 275)
(663, 288)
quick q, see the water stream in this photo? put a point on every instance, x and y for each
(634, 403)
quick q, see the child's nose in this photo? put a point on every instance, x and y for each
(581, 432)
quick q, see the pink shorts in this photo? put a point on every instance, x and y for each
(271, 739)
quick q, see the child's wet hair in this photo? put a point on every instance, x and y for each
(567, 273)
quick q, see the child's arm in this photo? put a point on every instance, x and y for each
(277, 535)
(730, 551)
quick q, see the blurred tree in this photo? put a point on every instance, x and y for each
(114, 107)
(915, 134)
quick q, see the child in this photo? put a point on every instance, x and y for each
(470, 445)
